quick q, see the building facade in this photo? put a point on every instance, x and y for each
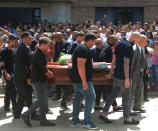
(77, 11)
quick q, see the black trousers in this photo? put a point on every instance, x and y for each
(24, 97)
(67, 91)
(10, 94)
(145, 81)
(106, 91)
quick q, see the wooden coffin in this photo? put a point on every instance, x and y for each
(61, 74)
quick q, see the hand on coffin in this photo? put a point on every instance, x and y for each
(7, 76)
(49, 74)
(29, 81)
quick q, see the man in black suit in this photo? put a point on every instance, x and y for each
(61, 46)
(22, 75)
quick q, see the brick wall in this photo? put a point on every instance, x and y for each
(85, 9)
(150, 14)
(82, 13)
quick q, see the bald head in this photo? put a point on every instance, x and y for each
(59, 36)
(143, 41)
(134, 37)
(99, 43)
(112, 40)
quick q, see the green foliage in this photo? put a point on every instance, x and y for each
(61, 60)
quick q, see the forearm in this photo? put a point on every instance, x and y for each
(126, 67)
(81, 70)
(113, 63)
(5, 31)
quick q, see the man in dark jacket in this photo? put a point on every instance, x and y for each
(7, 60)
(103, 53)
(60, 46)
(22, 75)
(40, 73)
(79, 39)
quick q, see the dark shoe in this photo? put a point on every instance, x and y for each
(90, 125)
(16, 117)
(26, 120)
(49, 111)
(98, 108)
(133, 122)
(56, 98)
(117, 109)
(146, 99)
(64, 107)
(105, 119)
(35, 117)
(47, 123)
(133, 114)
(140, 110)
(7, 110)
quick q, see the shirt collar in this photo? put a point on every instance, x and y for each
(26, 45)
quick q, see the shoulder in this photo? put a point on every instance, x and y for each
(73, 44)
(3, 52)
(81, 46)
(106, 47)
(21, 47)
(35, 54)
(65, 42)
(126, 44)
(81, 49)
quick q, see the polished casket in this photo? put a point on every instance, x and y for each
(62, 77)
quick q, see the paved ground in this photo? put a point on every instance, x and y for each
(62, 119)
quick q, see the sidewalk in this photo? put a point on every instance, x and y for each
(148, 120)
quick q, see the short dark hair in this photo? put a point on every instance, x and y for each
(90, 36)
(44, 40)
(25, 34)
(13, 37)
(80, 34)
(31, 31)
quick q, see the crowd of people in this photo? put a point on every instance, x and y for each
(131, 49)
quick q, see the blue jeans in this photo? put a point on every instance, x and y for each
(154, 72)
(90, 96)
(50, 89)
(41, 91)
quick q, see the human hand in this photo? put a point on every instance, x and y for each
(127, 83)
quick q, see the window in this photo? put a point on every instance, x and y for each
(37, 15)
